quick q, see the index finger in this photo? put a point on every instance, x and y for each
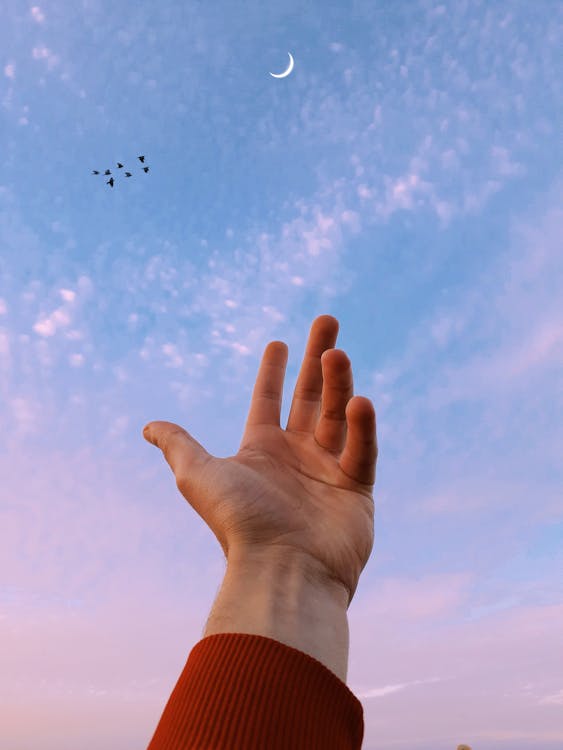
(265, 405)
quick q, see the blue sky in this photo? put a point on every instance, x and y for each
(405, 178)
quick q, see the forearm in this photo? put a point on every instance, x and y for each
(274, 598)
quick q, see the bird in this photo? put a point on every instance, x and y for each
(142, 158)
(119, 165)
(145, 169)
(95, 171)
(107, 171)
(110, 181)
(127, 174)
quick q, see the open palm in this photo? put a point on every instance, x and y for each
(305, 490)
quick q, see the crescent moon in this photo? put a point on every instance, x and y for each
(286, 72)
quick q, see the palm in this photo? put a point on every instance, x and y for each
(284, 490)
(306, 489)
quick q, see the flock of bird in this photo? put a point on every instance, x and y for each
(120, 166)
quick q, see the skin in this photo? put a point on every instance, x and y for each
(303, 493)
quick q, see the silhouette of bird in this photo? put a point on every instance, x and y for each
(107, 172)
(110, 181)
(145, 169)
(127, 174)
(119, 165)
(95, 171)
(142, 158)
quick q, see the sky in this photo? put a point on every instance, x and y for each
(407, 179)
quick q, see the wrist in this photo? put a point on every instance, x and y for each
(277, 595)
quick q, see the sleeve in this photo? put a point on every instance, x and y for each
(248, 692)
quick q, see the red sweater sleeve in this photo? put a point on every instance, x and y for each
(247, 692)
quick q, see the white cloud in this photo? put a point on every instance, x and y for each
(67, 294)
(44, 53)
(502, 163)
(48, 326)
(37, 14)
(76, 360)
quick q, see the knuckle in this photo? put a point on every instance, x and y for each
(170, 436)
(307, 394)
(334, 415)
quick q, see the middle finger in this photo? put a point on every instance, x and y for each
(305, 406)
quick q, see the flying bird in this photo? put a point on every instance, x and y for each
(111, 181)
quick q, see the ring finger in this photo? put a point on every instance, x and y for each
(338, 389)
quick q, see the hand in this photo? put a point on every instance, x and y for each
(304, 491)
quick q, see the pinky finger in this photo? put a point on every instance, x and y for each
(359, 456)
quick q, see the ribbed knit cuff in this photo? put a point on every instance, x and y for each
(248, 692)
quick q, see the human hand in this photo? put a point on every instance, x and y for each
(306, 490)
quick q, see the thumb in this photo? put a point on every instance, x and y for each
(185, 456)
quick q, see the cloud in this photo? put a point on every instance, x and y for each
(37, 14)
